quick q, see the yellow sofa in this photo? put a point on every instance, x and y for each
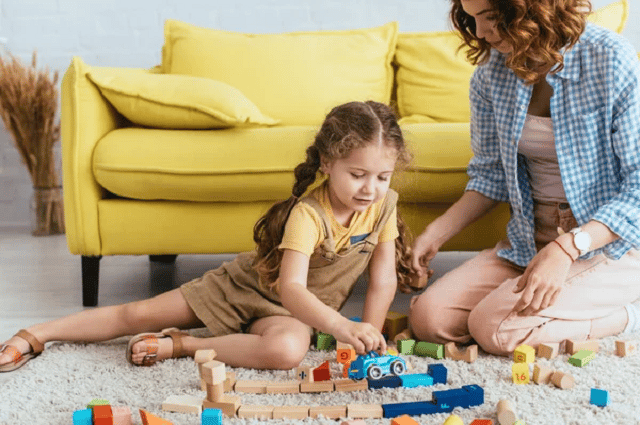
(184, 158)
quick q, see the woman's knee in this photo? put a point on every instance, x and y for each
(483, 327)
(427, 318)
(286, 350)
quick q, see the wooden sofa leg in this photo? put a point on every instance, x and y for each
(164, 259)
(90, 277)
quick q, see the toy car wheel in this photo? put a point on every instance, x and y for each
(397, 368)
(374, 372)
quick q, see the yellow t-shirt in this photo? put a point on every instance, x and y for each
(303, 230)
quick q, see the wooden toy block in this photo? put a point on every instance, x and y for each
(405, 334)
(582, 358)
(253, 387)
(204, 356)
(506, 412)
(183, 404)
(413, 380)
(394, 323)
(316, 387)
(469, 355)
(304, 373)
(520, 373)
(624, 348)
(345, 353)
(215, 392)
(330, 412)
(151, 419)
(351, 385)
(549, 350)
(102, 414)
(405, 346)
(289, 387)
(83, 417)
(404, 420)
(572, 346)
(353, 422)
(453, 420)
(230, 382)
(562, 380)
(599, 397)
(213, 372)
(322, 372)
(439, 373)
(362, 411)
(250, 411)
(482, 422)
(325, 341)
(524, 354)
(98, 402)
(211, 417)
(541, 374)
(229, 405)
(122, 415)
(345, 370)
(429, 349)
(291, 412)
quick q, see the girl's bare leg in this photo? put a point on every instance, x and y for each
(103, 323)
(276, 342)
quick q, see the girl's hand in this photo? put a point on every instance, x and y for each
(364, 337)
(542, 280)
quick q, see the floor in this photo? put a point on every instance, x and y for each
(40, 280)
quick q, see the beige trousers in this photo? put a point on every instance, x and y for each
(475, 300)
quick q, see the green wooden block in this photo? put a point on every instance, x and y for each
(97, 402)
(581, 358)
(325, 341)
(429, 349)
(405, 346)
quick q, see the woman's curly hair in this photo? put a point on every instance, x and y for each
(347, 127)
(537, 31)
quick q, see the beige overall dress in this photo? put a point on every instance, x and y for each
(228, 299)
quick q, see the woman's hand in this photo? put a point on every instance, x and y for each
(425, 247)
(364, 337)
(542, 280)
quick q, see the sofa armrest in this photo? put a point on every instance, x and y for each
(85, 118)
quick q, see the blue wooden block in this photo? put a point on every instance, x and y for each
(439, 373)
(413, 380)
(599, 397)
(476, 394)
(415, 408)
(448, 399)
(211, 417)
(390, 381)
(83, 417)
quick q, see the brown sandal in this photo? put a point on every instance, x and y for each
(151, 340)
(19, 359)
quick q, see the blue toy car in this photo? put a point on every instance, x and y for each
(375, 366)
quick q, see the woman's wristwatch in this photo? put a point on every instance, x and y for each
(581, 240)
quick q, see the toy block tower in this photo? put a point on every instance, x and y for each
(214, 375)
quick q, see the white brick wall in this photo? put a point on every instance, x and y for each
(129, 33)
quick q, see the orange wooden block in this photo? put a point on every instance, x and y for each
(345, 370)
(102, 415)
(290, 412)
(572, 346)
(249, 411)
(345, 353)
(151, 419)
(404, 420)
(331, 412)
(362, 411)
(322, 372)
(229, 405)
(482, 422)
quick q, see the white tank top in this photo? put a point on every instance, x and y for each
(537, 145)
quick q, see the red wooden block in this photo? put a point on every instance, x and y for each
(322, 372)
(482, 422)
(102, 415)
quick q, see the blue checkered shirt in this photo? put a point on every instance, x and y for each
(595, 110)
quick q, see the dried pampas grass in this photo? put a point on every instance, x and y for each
(28, 107)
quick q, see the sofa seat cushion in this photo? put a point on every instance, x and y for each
(256, 164)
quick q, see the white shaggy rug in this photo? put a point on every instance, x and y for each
(67, 376)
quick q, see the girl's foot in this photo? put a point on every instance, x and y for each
(148, 348)
(18, 350)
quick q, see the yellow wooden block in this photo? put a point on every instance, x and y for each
(524, 354)
(453, 420)
(520, 373)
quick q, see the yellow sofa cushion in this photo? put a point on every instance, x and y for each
(175, 101)
(433, 75)
(256, 164)
(293, 77)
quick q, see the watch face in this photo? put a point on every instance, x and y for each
(582, 241)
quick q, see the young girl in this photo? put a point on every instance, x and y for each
(555, 132)
(262, 306)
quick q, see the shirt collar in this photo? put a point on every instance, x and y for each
(572, 64)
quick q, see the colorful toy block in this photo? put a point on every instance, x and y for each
(325, 341)
(405, 346)
(624, 348)
(524, 354)
(102, 414)
(345, 353)
(572, 346)
(520, 373)
(183, 404)
(541, 374)
(404, 420)
(291, 412)
(439, 373)
(331, 412)
(211, 417)
(97, 402)
(304, 373)
(599, 397)
(322, 372)
(453, 420)
(151, 419)
(83, 417)
(469, 355)
(548, 350)
(122, 415)
(562, 380)
(249, 411)
(482, 422)
(228, 404)
(442, 402)
(506, 412)
(389, 381)
(415, 408)
(361, 411)
(582, 358)
(413, 380)
(394, 324)
(429, 349)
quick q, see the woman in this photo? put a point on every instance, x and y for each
(555, 132)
